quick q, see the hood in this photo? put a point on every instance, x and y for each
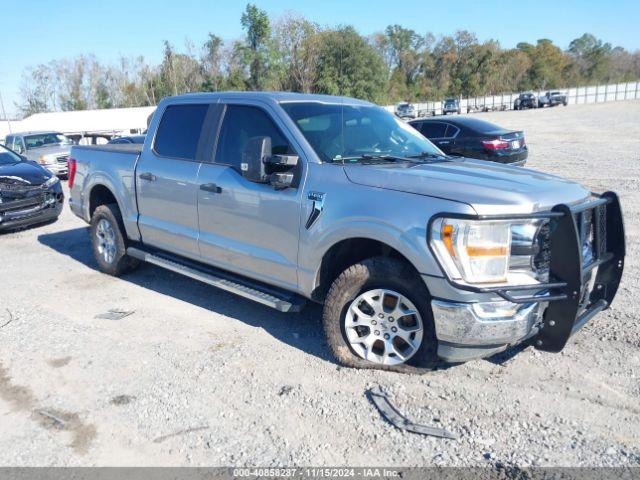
(490, 188)
(23, 174)
(53, 151)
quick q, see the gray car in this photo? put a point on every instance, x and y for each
(417, 257)
(48, 148)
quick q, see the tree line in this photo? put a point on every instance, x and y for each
(292, 53)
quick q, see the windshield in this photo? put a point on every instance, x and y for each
(338, 131)
(46, 140)
(7, 157)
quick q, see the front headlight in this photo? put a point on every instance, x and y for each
(51, 181)
(494, 252)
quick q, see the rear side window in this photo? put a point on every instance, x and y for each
(241, 123)
(451, 130)
(180, 130)
(433, 129)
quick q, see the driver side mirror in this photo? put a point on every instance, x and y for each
(260, 166)
(254, 156)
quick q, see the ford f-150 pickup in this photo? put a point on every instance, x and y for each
(417, 257)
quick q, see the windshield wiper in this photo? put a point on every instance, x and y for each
(365, 157)
(427, 155)
(378, 158)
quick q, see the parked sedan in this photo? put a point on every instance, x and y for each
(29, 193)
(474, 138)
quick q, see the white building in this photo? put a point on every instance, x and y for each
(110, 122)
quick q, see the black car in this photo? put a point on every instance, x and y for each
(525, 100)
(139, 139)
(474, 138)
(29, 193)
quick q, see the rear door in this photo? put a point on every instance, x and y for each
(167, 179)
(437, 133)
(250, 228)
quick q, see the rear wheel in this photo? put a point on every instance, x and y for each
(377, 314)
(109, 241)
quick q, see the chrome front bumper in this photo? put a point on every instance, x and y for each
(465, 331)
(57, 168)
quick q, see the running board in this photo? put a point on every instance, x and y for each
(275, 298)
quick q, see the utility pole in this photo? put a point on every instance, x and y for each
(4, 114)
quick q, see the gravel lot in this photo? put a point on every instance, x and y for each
(196, 376)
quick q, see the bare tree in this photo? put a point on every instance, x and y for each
(296, 42)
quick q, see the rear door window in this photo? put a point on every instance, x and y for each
(433, 129)
(451, 131)
(417, 125)
(241, 123)
(180, 131)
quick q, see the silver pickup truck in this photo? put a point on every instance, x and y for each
(49, 149)
(417, 257)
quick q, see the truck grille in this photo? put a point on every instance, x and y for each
(592, 231)
(542, 259)
(63, 159)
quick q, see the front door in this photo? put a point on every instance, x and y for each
(167, 181)
(248, 227)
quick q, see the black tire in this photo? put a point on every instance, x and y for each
(121, 263)
(378, 272)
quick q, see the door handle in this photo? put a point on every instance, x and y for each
(211, 187)
(148, 176)
(443, 142)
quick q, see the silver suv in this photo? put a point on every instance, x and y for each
(416, 256)
(48, 148)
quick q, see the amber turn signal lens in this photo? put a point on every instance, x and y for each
(447, 238)
(486, 251)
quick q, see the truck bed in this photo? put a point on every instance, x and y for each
(112, 166)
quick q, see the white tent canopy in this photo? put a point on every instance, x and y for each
(82, 121)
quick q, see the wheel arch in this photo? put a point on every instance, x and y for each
(100, 194)
(347, 252)
(101, 190)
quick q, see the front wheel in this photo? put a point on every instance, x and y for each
(109, 241)
(377, 314)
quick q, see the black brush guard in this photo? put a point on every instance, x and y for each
(568, 308)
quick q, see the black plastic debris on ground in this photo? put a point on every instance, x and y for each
(395, 418)
(115, 314)
(10, 319)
